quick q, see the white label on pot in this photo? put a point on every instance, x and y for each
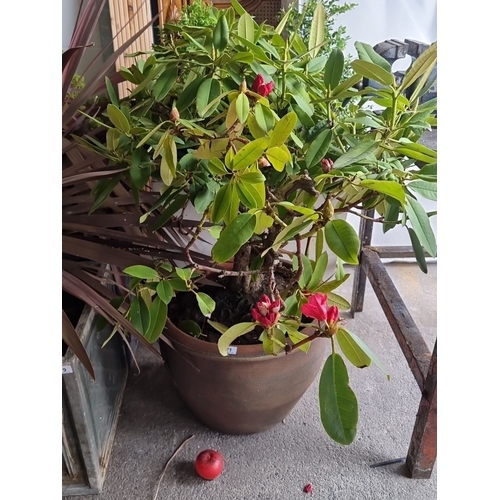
(67, 369)
(232, 349)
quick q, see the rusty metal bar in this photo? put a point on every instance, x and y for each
(423, 445)
(412, 344)
(359, 281)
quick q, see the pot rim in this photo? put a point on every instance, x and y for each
(176, 335)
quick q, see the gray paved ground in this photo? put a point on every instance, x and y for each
(278, 463)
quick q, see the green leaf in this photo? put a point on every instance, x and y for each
(291, 306)
(252, 177)
(113, 136)
(367, 53)
(282, 130)
(221, 203)
(165, 82)
(427, 59)
(252, 195)
(333, 69)
(246, 27)
(205, 303)
(177, 203)
(221, 33)
(319, 271)
(318, 148)
(218, 326)
(216, 167)
(421, 225)
(236, 234)
(232, 334)
(296, 208)
(292, 229)
(296, 336)
(390, 188)
(352, 351)
(139, 315)
(337, 401)
(165, 291)
(345, 85)
(249, 153)
(426, 189)
(317, 31)
(189, 93)
(273, 341)
(111, 91)
(142, 272)
(184, 273)
(242, 107)
(158, 313)
(278, 156)
(367, 351)
(118, 119)
(190, 327)
(418, 250)
(372, 71)
(357, 153)
(168, 165)
(342, 240)
(208, 91)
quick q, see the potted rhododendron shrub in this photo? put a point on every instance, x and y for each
(245, 150)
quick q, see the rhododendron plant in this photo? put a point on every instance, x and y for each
(249, 142)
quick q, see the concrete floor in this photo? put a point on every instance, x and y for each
(278, 463)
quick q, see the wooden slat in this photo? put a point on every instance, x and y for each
(395, 252)
(412, 344)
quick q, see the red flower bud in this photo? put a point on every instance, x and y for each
(261, 88)
(174, 114)
(308, 488)
(266, 312)
(326, 165)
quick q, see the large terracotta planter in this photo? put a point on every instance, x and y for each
(243, 393)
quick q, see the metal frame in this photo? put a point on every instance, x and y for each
(423, 364)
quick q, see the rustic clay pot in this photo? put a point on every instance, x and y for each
(243, 393)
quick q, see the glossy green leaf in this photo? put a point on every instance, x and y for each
(207, 92)
(252, 177)
(177, 203)
(205, 303)
(158, 314)
(263, 221)
(251, 195)
(306, 271)
(142, 272)
(233, 237)
(345, 85)
(165, 82)
(352, 351)
(168, 165)
(390, 188)
(317, 31)
(118, 119)
(318, 244)
(376, 361)
(296, 336)
(221, 203)
(190, 327)
(165, 291)
(216, 167)
(372, 71)
(337, 401)
(221, 33)
(319, 271)
(342, 240)
(418, 250)
(113, 136)
(242, 107)
(184, 273)
(278, 156)
(282, 130)
(296, 208)
(356, 153)
(273, 341)
(338, 300)
(421, 225)
(292, 229)
(232, 334)
(218, 326)
(318, 148)
(111, 91)
(246, 27)
(189, 94)
(334, 68)
(427, 59)
(426, 189)
(316, 64)
(139, 315)
(367, 53)
(249, 153)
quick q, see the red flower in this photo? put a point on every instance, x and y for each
(266, 313)
(261, 88)
(317, 308)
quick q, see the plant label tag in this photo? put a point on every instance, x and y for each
(232, 349)
(67, 369)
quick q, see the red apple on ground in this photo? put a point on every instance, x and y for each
(209, 464)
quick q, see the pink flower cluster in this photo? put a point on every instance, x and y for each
(261, 88)
(317, 307)
(266, 312)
